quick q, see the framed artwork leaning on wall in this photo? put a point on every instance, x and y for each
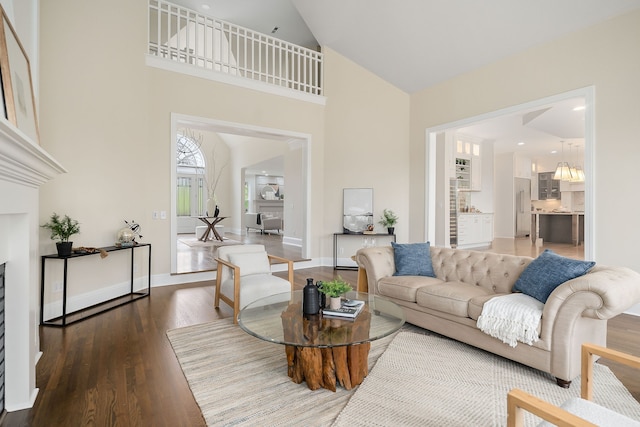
(17, 87)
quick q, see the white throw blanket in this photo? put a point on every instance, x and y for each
(511, 318)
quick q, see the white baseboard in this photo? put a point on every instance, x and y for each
(19, 406)
(345, 262)
(87, 299)
(178, 279)
(634, 310)
(292, 241)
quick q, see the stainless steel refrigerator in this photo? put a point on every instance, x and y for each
(523, 206)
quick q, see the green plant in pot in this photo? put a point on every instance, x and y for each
(334, 289)
(389, 220)
(61, 229)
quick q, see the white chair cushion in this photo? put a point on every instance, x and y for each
(256, 286)
(251, 263)
(595, 414)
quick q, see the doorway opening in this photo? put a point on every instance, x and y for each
(297, 147)
(438, 212)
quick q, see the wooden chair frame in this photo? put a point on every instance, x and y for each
(235, 302)
(519, 401)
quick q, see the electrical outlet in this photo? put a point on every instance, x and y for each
(57, 287)
(163, 214)
(155, 215)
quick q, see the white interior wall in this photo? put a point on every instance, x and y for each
(444, 143)
(366, 145)
(105, 108)
(294, 195)
(504, 214)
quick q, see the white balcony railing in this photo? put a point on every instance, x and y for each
(186, 36)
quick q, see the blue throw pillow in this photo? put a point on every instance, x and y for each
(412, 259)
(547, 272)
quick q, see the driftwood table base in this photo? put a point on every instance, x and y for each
(325, 365)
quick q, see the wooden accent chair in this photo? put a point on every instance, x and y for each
(576, 411)
(244, 275)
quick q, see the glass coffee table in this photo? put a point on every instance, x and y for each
(320, 350)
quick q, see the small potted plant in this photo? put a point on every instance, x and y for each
(334, 289)
(389, 220)
(61, 229)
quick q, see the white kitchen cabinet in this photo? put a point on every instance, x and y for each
(468, 157)
(521, 167)
(465, 227)
(486, 234)
(475, 230)
(463, 173)
(476, 173)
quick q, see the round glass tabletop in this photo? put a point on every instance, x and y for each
(279, 319)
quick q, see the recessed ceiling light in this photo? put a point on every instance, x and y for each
(579, 108)
(520, 143)
(206, 7)
(554, 151)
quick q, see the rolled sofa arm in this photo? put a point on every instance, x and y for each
(615, 289)
(378, 262)
(577, 311)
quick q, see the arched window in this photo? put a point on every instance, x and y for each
(188, 153)
(190, 191)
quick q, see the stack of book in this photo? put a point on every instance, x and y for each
(349, 310)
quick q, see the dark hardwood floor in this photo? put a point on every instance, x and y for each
(118, 368)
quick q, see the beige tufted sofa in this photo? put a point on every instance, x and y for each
(576, 312)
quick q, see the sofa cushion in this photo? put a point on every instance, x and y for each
(404, 287)
(547, 272)
(477, 303)
(412, 259)
(449, 297)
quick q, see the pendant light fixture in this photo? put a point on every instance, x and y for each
(572, 166)
(579, 173)
(563, 172)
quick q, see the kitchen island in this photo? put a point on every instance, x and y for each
(558, 227)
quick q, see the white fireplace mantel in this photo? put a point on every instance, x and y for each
(22, 161)
(24, 167)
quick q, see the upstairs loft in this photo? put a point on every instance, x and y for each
(183, 40)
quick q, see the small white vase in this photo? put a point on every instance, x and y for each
(335, 302)
(211, 206)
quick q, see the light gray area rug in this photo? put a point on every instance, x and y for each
(194, 242)
(239, 380)
(420, 380)
(426, 380)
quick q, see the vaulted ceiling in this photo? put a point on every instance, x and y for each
(414, 44)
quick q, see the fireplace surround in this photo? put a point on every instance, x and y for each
(24, 167)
